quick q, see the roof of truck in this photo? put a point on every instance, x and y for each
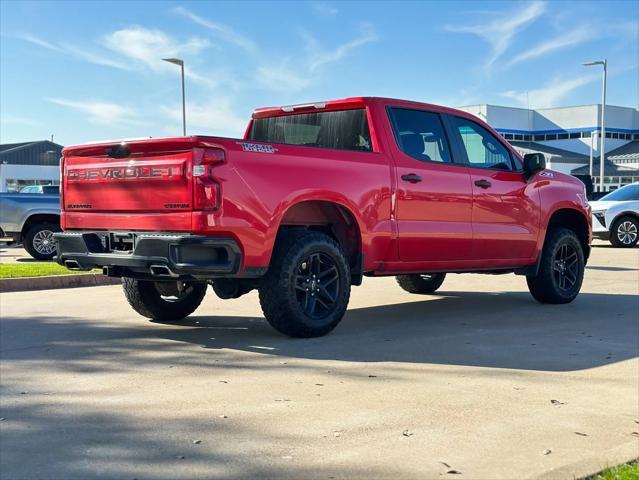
(346, 103)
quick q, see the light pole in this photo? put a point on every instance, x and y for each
(177, 61)
(602, 152)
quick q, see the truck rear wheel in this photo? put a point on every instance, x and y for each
(164, 301)
(421, 284)
(561, 271)
(307, 287)
(39, 242)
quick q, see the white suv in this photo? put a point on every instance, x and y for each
(615, 217)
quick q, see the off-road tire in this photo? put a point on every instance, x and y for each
(282, 302)
(41, 232)
(145, 299)
(545, 286)
(631, 225)
(421, 284)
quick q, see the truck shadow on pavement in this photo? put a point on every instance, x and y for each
(495, 330)
(498, 330)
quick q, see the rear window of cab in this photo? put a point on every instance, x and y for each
(339, 129)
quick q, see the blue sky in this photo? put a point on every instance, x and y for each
(92, 70)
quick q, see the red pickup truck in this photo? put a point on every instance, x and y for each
(313, 198)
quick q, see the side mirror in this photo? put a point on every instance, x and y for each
(533, 162)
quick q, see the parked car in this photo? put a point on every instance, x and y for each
(31, 219)
(313, 198)
(42, 189)
(615, 216)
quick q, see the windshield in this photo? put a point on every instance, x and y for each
(342, 129)
(629, 192)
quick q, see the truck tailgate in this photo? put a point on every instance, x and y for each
(151, 183)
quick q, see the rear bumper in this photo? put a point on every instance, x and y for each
(152, 255)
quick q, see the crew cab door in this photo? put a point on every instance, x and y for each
(434, 195)
(506, 211)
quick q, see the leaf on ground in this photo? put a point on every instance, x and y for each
(548, 451)
(454, 472)
(581, 434)
(557, 402)
(197, 442)
(407, 433)
(445, 464)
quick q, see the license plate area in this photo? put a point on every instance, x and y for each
(121, 242)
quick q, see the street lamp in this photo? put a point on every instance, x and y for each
(602, 154)
(180, 63)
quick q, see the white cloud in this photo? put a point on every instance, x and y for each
(22, 121)
(570, 39)
(223, 32)
(150, 46)
(318, 56)
(281, 79)
(73, 51)
(551, 94)
(101, 113)
(324, 9)
(216, 117)
(500, 32)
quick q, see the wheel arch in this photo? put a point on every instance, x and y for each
(333, 218)
(574, 220)
(39, 218)
(624, 213)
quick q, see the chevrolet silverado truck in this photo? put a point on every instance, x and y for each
(31, 218)
(313, 198)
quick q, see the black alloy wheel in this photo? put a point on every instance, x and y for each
(317, 285)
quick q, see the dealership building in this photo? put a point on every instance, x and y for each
(567, 136)
(29, 163)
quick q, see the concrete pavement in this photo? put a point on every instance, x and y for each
(479, 379)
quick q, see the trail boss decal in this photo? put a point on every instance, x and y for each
(257, 147)
(122, 173)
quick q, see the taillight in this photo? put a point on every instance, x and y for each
(206, 190)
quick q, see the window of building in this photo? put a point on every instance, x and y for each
(527, 138)
(585, 134)
(420, 134)
(482, 148)
(562, 136)
(615, 135)
(552, 136)
(608, 135)
(575, 135)
(509, 136)
(343, 130)
(519, 138)
(539, 138)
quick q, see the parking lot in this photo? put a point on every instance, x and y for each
(478, 381)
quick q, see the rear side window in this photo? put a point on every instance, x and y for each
(420, 135)
(342, 129)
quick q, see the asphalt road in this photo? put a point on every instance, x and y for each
(479, 379)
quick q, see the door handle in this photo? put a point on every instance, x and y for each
(483, 183)
(412, 178)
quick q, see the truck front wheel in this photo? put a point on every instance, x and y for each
(307, 287)
(164, 301)
(561, 270)
(421, 284)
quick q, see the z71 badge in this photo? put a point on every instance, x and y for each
(257, 147)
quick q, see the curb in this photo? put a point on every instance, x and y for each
(55, 281)
(594, 464)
